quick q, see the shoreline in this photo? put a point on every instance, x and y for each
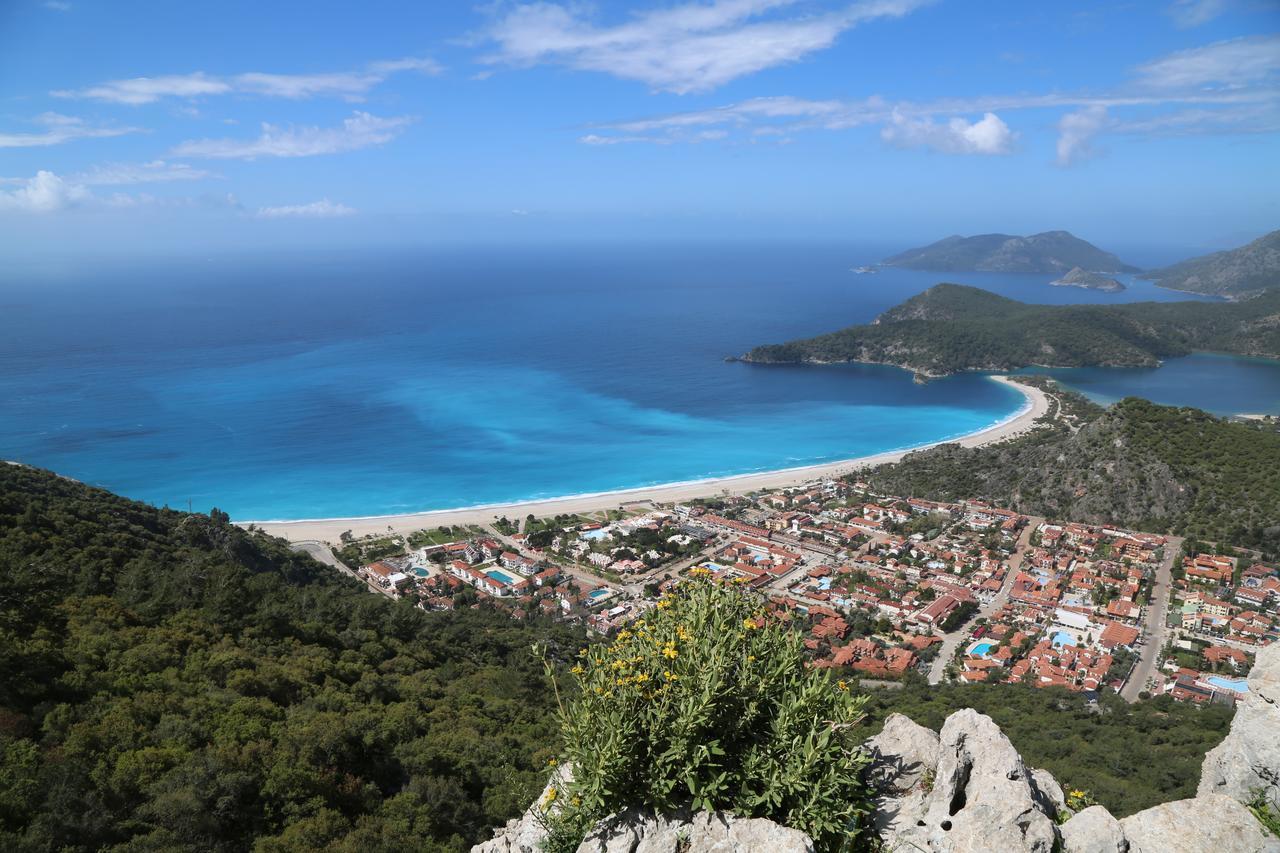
(331, 529)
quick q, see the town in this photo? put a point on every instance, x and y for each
(882, 586)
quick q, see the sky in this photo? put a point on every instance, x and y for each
(136, 126)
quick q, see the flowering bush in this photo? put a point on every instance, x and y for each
(708, 704)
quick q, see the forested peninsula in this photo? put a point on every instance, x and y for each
(952, 328)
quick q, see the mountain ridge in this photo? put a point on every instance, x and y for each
(1046, 252)
(1234, 273)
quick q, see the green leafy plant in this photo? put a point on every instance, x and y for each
(708, 704)
(1265, 812)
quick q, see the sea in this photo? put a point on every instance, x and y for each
(358, 383)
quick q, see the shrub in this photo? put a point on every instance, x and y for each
(708, 704)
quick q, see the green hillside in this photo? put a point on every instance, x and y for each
(1150, 467)
(1233, 273)
(952, 328)
(171, 682)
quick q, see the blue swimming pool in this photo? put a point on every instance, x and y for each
(982, 649)
(421, 572)
(600, 593)
(501, 577)
(598, 533)
(1062, 638)
(1238, 685)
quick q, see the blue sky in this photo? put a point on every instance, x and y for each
(136, 126)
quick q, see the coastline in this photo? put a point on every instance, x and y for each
(331, 529)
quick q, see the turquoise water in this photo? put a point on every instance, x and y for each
(341, 384)
(982, 649)
(600, 593)
(1062, 638)
(1238, 685)
(501, 577)
(1223, 384)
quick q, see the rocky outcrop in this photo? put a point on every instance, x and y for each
(1247, 762)
(642, 831)
(1212, 823)
(704, 832)
(983, 796)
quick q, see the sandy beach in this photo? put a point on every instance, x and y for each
(330, 529)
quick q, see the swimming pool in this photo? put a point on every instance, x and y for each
(982, 649)
(1237, 685)
(501, 577)
(421, 572)
(598, 533)
(599, 594)
(1062, 638)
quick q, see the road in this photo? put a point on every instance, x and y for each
(952, 641)
(1153, 629)
(323, 553)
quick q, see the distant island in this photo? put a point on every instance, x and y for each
(1089, 280)
(1049, 252)
(1235, 273)
(951, 328)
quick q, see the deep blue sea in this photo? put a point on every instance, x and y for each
(344, 383)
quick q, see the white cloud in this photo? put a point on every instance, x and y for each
(157, 171)
(57, 5)
(1076, 132)
(58, 129)
(1233, 63)
(145, 90)
(352, 85)
(362, 130)
(686, 48)
(1193, 13)
(323, 209)
(44, 193)
(988, 135)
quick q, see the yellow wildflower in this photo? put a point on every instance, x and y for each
(750, 658)
(551, 762)
(742, 579)
(842, 685)
(749, 624)
(577, 669)
(670, 651)
(663, 604)
(670, 676)
(683, 633)
(623, 634)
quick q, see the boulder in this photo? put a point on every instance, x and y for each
(637, 831)
(1093, 830)
(982, 799)
(1048, 792)
(903, 755)
(1247, 762)
(1208, 822)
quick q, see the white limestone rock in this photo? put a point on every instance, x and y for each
(1210, 822)
(1093, 830)
(1248, 759)
(982, 799)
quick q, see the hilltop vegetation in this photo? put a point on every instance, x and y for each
(1238, 272)
(1137, 464)
(1049, 252)
(171, 682)
(952, 328)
